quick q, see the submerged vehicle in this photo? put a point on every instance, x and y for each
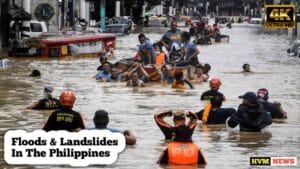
(118, 29)
(5, 63)
(222, 19)
(62, 44)
(20, 32)
(27, 29)
(256, 21)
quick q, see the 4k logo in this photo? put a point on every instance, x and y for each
(280, 16)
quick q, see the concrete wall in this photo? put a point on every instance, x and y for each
(53, 22)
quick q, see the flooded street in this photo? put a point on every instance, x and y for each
(134, 108)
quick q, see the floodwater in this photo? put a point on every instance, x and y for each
(134, 108)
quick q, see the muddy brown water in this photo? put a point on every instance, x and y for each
(134, 108)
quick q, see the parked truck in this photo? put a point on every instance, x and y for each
(21, 31)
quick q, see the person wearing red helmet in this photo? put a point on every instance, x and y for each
(217, 114)
(214, 84)
(65, 118)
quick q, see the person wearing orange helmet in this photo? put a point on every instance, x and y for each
(65, 118)
(214, 84)
(217, 114)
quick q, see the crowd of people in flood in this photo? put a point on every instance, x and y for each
(253, 114)
(205, 33)
(177, 66)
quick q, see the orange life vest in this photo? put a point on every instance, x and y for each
(160, 59)
(206, 112)
(183, 153)
(178, 85)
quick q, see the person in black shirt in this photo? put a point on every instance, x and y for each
(251, 115)
(65, 118)
(274, 108)
(217, 115)
(214, 84)
(47, 103)
(179, 119)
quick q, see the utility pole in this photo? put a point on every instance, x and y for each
(59, 14)
(189, 6)
(82, 10)
(117, 9)
(65, 12)
(102, 13)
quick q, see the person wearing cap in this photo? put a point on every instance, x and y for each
(175, 54)
(179, 119)
(65, 118)
(182, 151)
(47, 103)
(251, 115)
(101, 121)
(214, 84)
(274, 108)
(216, 115)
